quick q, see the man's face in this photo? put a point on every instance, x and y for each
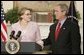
(58, 12)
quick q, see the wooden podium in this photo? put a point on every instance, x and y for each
(25, 48)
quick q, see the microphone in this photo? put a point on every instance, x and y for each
(18, 35)
(12, 34)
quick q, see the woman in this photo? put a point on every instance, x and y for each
(29, 30)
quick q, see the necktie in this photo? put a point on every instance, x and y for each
(57, 31)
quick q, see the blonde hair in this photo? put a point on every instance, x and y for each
(64, 7)
(22, 11)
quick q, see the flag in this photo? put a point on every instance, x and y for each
(3, 26)
(72, 9)
(72, 12)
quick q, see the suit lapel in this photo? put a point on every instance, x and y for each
(53, 33)
(62, 29)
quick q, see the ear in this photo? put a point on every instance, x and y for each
(22, 16)
(64, 12)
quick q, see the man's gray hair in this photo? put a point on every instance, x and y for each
(64, 7)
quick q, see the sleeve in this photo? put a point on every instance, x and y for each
(76, 39)
(47, 41)
(38, 37)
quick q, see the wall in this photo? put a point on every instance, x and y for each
(7, 5)
(79, 4)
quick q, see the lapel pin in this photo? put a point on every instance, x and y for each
(63, 28)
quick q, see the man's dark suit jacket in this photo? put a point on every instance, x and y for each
(68, 41)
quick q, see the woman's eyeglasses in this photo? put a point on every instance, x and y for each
(27, 14)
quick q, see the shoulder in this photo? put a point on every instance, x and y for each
(34, 24)
(72, 22)
(72, 19)
(15, 24)
(52, 26)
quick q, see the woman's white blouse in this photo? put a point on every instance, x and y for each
(30, 34)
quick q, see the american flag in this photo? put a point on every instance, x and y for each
(3, 26)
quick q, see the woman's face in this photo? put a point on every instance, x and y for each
(26, 16)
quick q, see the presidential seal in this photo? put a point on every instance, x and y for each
(12, 46)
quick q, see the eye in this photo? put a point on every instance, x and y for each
(27, 14)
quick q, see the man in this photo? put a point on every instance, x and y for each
(64, 35)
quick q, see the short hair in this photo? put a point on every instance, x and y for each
(22, 11)
(64, 7)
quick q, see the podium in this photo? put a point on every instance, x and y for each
(25, 48)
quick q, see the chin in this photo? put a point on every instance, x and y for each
(57, 19)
